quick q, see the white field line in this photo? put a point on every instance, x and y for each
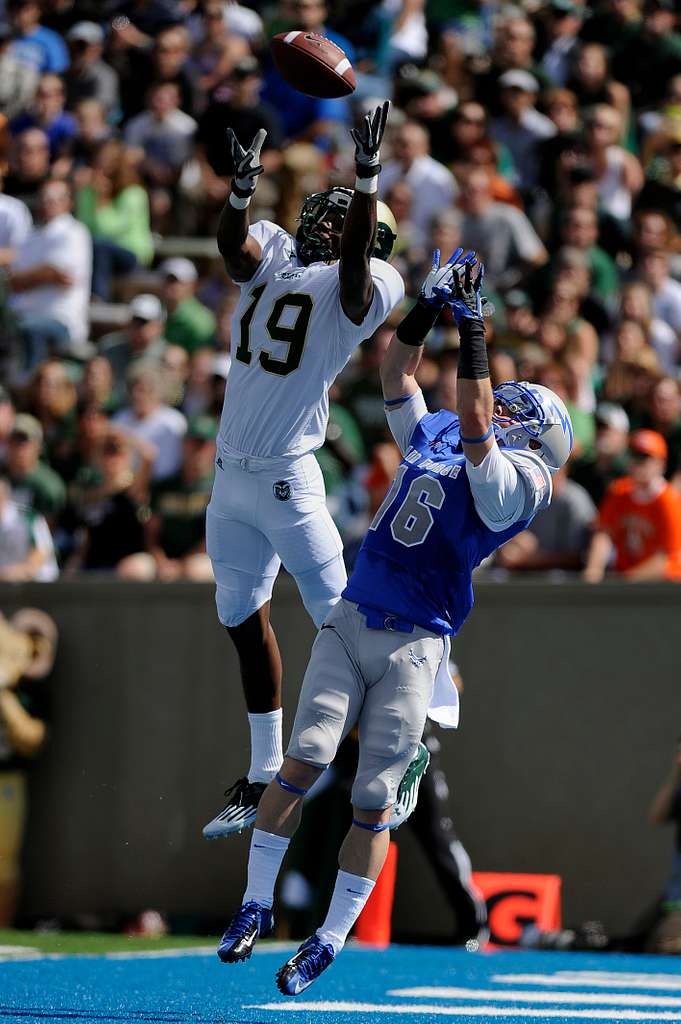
(527, 996)
(435, 1010)
(594, 979)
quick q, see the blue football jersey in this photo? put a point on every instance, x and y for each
(418, 556)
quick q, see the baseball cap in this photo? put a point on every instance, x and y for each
(202, 428)
(566, 7)
(517, 299)
(146, 307)
(609, 414)
(648, 442)
(180, 268)
(86, 32)
(246, 67)
(27, 428)
(519, 79)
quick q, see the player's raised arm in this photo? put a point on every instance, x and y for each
(359, 228)
(404, 353)
(474, 399)
(241, 252)
(404, 403)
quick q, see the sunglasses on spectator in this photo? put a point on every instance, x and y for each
(18, 437)
(639, 456)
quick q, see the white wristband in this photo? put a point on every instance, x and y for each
(239, 202)
(368, 185)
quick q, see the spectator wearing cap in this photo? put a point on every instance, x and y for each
(18, 80)
(520, 127)
(651, 56)
(39, 47)
(563, 22)
(558, 537)
(502, 234)
(50, 280)
(142, 338)
(151, 422)
(110, 504)
(236, 104)
(26, 548)
(432, 185)
(639, 520)
(35, 485)
(90, 77)
(115, 207)
(47, 112)
(176, 531)
(29, 167)
(608, 460)
(189, 323)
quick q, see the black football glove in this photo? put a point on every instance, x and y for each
(246, 163)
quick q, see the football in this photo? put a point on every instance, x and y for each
(313, 64)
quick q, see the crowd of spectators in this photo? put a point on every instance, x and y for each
(546, 135)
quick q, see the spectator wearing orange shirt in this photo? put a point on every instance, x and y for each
(640, 518)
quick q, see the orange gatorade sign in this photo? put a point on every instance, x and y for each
(514, 901)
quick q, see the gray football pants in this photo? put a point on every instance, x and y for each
(380, 679)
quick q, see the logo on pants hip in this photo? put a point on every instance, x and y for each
(282, 490)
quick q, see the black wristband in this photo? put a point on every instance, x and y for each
(367, 170)
(416, 324)
(473, 363)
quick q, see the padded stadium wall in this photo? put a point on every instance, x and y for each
(570, 714)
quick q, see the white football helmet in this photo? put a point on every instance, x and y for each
(537, 420)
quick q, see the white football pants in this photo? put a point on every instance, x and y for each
(265, 512)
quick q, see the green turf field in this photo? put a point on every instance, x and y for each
(94, 942)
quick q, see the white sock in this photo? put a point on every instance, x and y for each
(349, 898)
(264, 860)
(266, 748)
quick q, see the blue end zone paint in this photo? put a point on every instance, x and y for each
(401, 985)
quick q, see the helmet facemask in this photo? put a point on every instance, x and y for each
(332, 206)
(534, 419)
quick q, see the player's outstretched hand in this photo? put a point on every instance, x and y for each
(438, 287)
(467, 300)
(246, 163)
(367, 139)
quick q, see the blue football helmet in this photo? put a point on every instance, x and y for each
(535, 418)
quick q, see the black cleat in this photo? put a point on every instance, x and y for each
(240, 810)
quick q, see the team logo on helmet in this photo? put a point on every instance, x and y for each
(282, 490)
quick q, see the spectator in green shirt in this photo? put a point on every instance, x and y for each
(175, 533)
(189, 324)
(115, 207)
(34, 485)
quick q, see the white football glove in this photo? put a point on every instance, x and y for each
(246, 162)
(438, 287)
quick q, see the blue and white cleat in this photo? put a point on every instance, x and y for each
(250, 923)
(298, 973)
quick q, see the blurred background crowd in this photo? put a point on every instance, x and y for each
(546, 135)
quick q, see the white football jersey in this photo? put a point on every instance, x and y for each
(290, 339)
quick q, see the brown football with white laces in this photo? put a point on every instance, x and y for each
(312, 64)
